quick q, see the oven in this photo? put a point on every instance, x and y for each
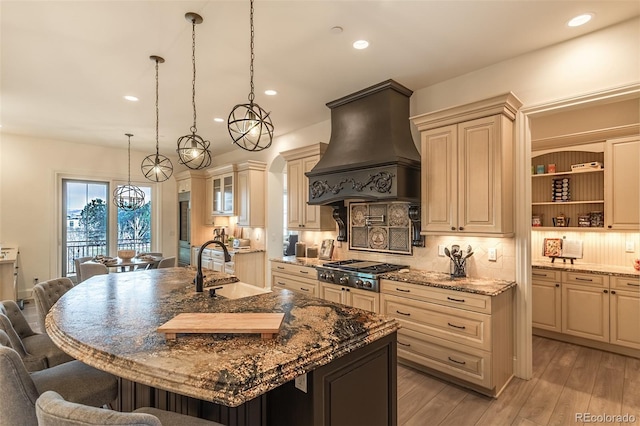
(355, 273)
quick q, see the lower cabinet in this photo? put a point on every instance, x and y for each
(248, 267)
(464, 337)
(301, 279)
(362, 299)
(598, 309)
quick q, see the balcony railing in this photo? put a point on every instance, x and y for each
(77, 249)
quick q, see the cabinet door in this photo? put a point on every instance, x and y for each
(625, 318)
(622, 184)
(294, 192)
(331, 293)
(311, 214)
(480, 175)
(227, 194)
(546, 305)
(438, 179)
(217, 195)
(585, 311)
(208, 202)
(243, 198)
(366, 300)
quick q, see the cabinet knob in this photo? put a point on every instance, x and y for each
(605, 291)
(461, 228)
(609, 226)
(613, 292)
(557, 285)
(453, 228)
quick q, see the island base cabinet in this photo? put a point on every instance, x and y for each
(357, 388)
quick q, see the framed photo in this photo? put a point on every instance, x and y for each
(326, 250)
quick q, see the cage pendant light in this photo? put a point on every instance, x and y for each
(193, 150)
(249, 125)
(156, 167)
(128, 197)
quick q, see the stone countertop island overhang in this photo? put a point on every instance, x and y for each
(110, 322)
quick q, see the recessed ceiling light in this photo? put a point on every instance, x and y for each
(336, 30)
(131, 98)
(360, 44)
(580, 20)
(270, 92)
(218, 120)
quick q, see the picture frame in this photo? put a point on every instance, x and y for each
(326, 250)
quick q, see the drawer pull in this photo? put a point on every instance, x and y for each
(461, 327)
(457, 362)
(403, 290)
(304, 272)
(633, 284)
(584, 279)
(281, 283)
(280, 267)
(304, 289)
(455, 300)
(404, 344)
(538, 274)
(403, 313)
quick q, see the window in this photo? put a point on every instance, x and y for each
(134, 227)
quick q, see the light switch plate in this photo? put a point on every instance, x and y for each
(492, 254)
(441, 250)
(301, 383)
(629, 247)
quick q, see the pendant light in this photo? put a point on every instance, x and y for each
(249, 125)
(156, 167)
(193, 151)
(128, 197)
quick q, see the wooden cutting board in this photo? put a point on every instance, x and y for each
(267, 324)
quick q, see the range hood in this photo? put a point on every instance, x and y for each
(371, 155)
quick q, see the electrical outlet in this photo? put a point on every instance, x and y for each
(301, 383)
(441, 250)
(35, 280)
(629, 247)
(492, 254)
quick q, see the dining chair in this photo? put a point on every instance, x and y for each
(37, 350)
(19, 389)
(89, 269)
(46, 294)
(167, 262)
(53, 410)
(77, 261)
(153, 265)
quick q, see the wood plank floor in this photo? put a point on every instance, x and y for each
(567, 379)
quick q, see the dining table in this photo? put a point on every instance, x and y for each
(129, 264)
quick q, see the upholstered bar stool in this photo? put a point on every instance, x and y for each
(46, 294)
(36, 349)
(53, 410)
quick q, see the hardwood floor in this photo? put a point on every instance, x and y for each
(567, 379)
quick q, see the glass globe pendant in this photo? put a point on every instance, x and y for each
(156, 167)
(193, 150)
(249, 125)
(128, 197)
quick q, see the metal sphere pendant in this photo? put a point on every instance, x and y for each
(193, 151)
(250, 127)
(157, 167)
(128, 197)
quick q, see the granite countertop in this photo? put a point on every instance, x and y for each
(484, 286)
(231, 250)
(594, 268)
(110, 322)
(311, 262)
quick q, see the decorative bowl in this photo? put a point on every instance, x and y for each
(126, 254)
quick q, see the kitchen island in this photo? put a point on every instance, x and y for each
(349, 355)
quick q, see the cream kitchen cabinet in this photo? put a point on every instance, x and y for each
(622, 184)
(624, 320)
(194, 182)
(585, 305)
(9, 273)
(300, 215)
(220, 197)
(301, 279)
(546, 299)
(467, 168)
(250, 189)
(463, 337)
(362, 299)
(248, 267)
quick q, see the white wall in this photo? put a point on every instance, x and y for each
(29, 219)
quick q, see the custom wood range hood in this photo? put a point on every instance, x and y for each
(371, 155)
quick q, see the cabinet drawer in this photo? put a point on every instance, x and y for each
(468, 364)
(300, 271)
(585, 279)
(625, 283)
(546, 275)
(457, 325)
(304, 286)
(457, 299)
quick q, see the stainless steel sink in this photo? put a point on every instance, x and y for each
(239, 290)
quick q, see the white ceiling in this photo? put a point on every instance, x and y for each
(66, 65)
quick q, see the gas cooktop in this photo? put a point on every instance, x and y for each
(355, 273)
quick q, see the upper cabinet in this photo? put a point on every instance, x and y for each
(250, 194)
(467, 168)
(300, 215)
(220, 196)
(193, 181)
(622, 183)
